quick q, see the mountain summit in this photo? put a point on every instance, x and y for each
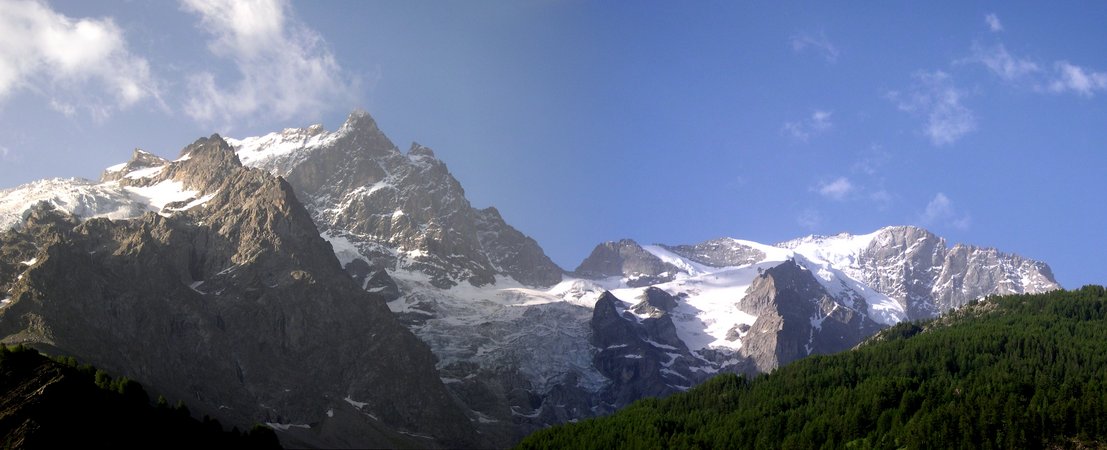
(347, 293)
(223, 293)
(400, 210)
(505, 321)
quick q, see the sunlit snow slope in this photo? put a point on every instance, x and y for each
(126, 191)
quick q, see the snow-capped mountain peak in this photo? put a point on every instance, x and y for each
(520, 341)
(145, 183)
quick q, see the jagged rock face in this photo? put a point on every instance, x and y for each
(235, 304)
(797, 317)
(655, 301)
(719, 253)
(627, 259)
(641, 358)
(237, 297)
(917, 268)
(902, 263)
(518, 368)
(514, 253)
(139, 160)
(969, 273)
(403, 211)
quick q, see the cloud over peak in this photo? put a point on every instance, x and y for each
(934, 97)
(285, 69)
(838, 189)
(77, 64)
(940, 211)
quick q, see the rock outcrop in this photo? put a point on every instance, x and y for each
(231, 300)
(401, 211)
(797, 317)
(929, 277)
(627, 259)
(643, 357)
(719, 253)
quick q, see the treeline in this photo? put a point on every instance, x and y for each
(1026, 371)
(56, 403)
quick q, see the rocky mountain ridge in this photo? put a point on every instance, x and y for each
(400, 210)
(518, 342)
(229, 297)
(739, 305)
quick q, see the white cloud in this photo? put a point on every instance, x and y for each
(1064, 78)
(66, 109)
(802, 130)
(1077, 79)
(939, 207)
(285, 68)
(85, 61)
(1001, 63)
(994, 25)
(5, 154)
(838, 189)
(820, 44)
(937, 100)
(940, 211)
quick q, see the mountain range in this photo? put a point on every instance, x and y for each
(1018, 371)
(348, 294)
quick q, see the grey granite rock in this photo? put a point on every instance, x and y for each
(404, 211)
(627, 259)
(718, 253)
(919, 269)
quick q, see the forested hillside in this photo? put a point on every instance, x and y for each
(47, 403)
(1025, 371)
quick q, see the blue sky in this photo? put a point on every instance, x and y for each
(671, 122)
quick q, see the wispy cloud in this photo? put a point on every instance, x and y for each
(285, 68)
(81, 63)
(994, 25)
(882, 198)
(802, 130)
(1076, 79)
(869, 166)
(870, 162)
(820, 44)
(940, 211)
(845, 189)
(1064, 77)
(837, 189)
(1003, 64)
(809, 218)
(736, 182)
(5, 153)
(936, 99)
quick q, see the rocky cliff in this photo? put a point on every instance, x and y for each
(401, 211)
(229, 298)
(517, 342)
(928, 277)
